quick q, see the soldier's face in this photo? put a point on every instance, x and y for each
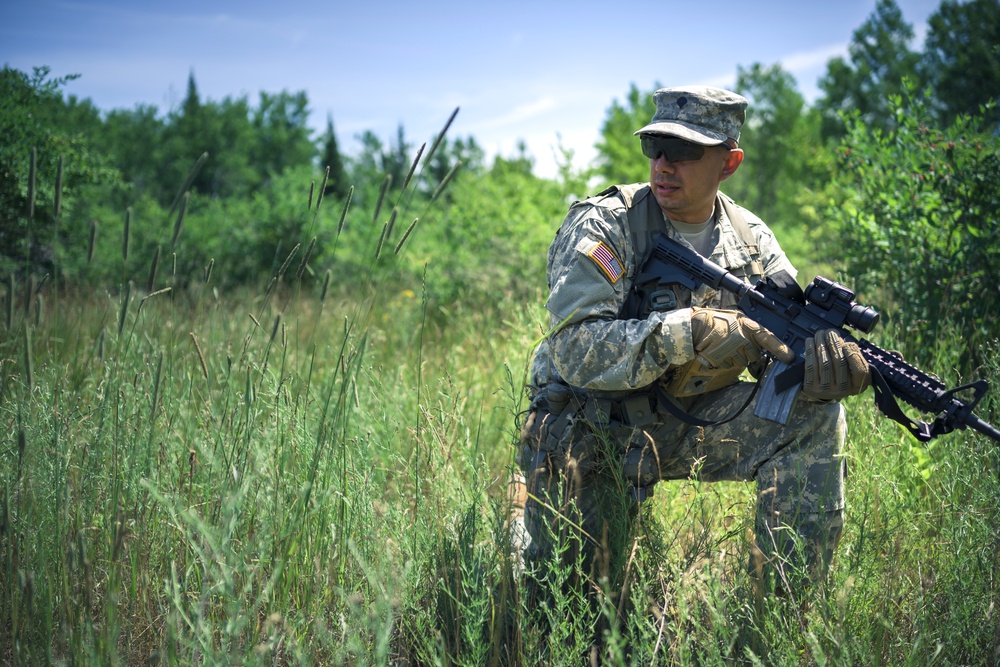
(686, 189)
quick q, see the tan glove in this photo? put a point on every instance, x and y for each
(724, 336)
(834, 368)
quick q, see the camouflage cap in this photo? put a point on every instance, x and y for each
(699, 114)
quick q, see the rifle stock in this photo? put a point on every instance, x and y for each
(794, 317)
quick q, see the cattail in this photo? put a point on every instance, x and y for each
(391, 223)
(322, 188)
(288, 260)
(156, 387)
(32, 171)
(151, 280)
(326, 284)
(165, 290)
(187, 183)
(201, 357)
(312, 187)
(381, 195)
(57, 208)
(10, 302)
(255, 321)
(446, 180)
(406, 235)
(208, 270)
(274, 329)
(124, 309)
(93, 241)
(440, 136)
(413, 166)
(28, 367)
(305, 259)
(180, 220)
(128, 223)
(343, 214)
(381, 240)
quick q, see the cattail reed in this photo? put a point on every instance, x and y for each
(413, 166)
(93, 241)
(391, 223)
(165, 290)
(208, 270)
(201, 357)
(10, 301)
(255, 321)
(322, 188)
(57, 207)
(444, 181)
(32, 173)
(406, 235)
(199, 163)
(305, 259)
(180, 219)
(381, 195)
(151, 280)
(312, 188)
(326, 285)
(128, 224)
(288, 260)
(343, 213)
(274, 329)
(381, 240)
(126, 297)
(440, 136)
(156, 387)
(28, 366)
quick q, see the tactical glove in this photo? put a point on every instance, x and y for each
(724, 337)
(834, 368)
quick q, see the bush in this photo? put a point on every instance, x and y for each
(917, 216)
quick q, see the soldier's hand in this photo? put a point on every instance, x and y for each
(721, 336)
(834, 368)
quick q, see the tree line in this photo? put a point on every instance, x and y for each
(234, 183)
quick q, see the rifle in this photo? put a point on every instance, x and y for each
(793, 316)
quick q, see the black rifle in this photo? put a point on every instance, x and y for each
(793, 316)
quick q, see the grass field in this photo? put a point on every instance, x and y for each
(317, 476)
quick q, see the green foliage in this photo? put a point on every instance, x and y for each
(917, 212)
(879, 59)
(619, 158)
(961, 60)
(30, 106)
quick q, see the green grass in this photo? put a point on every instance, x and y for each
(305, 475)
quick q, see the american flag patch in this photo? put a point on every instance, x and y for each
(603, 257)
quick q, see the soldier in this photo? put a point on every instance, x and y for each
(628, 391)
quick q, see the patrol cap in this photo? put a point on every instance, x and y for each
(699, 114)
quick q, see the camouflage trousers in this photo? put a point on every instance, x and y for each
(583, 465)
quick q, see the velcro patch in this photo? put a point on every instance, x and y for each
(603, 256)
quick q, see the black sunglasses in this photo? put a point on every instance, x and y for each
(671, 148)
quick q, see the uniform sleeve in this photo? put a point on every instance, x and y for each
(588, 270)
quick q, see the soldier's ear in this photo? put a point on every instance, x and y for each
(734, 158)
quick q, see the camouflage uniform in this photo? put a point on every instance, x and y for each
(597, 428)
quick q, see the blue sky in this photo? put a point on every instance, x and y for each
(532, 71)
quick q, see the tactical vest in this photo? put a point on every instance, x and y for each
(646, 223)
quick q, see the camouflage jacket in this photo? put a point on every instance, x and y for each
(592, 263)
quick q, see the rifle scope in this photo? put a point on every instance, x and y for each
(834, 297)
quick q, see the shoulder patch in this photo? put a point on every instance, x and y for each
(603, 256)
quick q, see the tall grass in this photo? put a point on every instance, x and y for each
(308, 475)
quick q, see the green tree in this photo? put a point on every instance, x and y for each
(337, 183)
(879, 59)
(917, 210)
(961, 59)
(619, 158)
(780, 138)
(281, 134)
(34, 117)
